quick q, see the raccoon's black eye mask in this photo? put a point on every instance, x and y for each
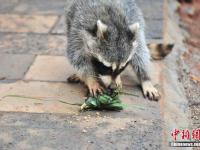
(101, 69)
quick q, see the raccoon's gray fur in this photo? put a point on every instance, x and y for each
(104, 36)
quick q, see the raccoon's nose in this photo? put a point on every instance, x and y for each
(113, 86)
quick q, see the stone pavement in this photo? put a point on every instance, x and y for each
(32, 64)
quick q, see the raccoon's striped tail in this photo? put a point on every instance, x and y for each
(158, 50)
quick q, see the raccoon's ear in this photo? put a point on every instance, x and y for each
(134, 28)
(101, 29)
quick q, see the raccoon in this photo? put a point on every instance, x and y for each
(104, 37)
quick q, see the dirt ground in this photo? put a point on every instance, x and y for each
(189, 12)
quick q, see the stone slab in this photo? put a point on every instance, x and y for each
(40, 97)
(152, 9)
(109, 130)
(31, 23)
(154, 29)
(36, 44)
(60, 26)
(41, 7)
(50, 68)
(7, 5)
(46, 97)
(14, 66)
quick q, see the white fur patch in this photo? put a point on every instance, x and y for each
(114, 66)
(106, 63)
(119, 81)
(134, 27)
(106, 80)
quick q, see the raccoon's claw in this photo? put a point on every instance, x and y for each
(119, 82)
(150, 91)
(95, 89)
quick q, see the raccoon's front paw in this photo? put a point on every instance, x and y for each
(119, 82)
(150, 91)
(94, 88)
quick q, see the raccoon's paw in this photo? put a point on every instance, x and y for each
(73, 79)
(150, 91)
(119, 82)
(94, 88)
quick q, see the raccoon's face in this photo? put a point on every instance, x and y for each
(112, 48)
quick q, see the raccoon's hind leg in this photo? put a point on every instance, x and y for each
(74, 79)
(141, 65)
(149, 90)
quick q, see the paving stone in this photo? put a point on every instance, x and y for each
(61, 131)
(32, 44)
(154, 29)
(49, 68)
(7, 5)
(60, 26)
(14, 66)
(152, 9)
(40, 97)
(55, 7)
(34, 24)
